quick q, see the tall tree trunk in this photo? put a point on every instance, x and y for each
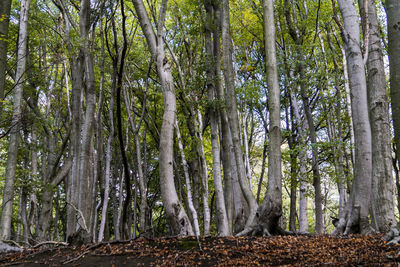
(270, 211)
(232, 111)
(303, 201)
(222, 220)
(177, 219)
(382, 178)
(85, 179)
(393, 24)
(5, 7)
(359, 202)
(204, 173)
(224, 129)
(8, 193)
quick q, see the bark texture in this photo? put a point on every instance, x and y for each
(222, 219)
(393, 24)
(382, 178)
(232, 112)
(177, 219)
(268, 214)
(356, 220)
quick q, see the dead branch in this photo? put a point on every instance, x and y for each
(50, 243)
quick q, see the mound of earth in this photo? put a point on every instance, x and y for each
(355, 250)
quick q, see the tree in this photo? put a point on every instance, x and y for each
(393, 26)
(357, 210)
(8, 194)
(232, 111)
(5, 7)
(223, 226)
(268, 214)
(176, 216)
(382, 178)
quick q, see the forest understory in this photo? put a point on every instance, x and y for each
(301, 250)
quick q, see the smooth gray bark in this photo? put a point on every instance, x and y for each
(223, 118)
(8, 193)
(86, 180)
(270, 211)
(268, 214)
(177, 218)
(393, 24)
(222, 219)
(204, 174)
(382, 179)
(358, 206)
(232, 111)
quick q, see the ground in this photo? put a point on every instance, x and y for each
(355, 250)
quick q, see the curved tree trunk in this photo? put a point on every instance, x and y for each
(177, 218)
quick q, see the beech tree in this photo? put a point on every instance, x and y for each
(177, 219)
(382, 178)
(356, 219)
(5, 8)
(8, 193)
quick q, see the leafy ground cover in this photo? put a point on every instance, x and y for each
(355, 250)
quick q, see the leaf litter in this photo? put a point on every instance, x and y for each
(301, 250)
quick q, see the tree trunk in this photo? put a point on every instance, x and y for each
(8, 193)
(204, 174)
(356, 220)
(187, 180)
(85, 179)
(5, 7)
(303, 201)
(269, 212)
(177, 219)
(222, 220)
(232, 112)
(382, 178)
(393, 22)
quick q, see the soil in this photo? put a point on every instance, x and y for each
(354, 250)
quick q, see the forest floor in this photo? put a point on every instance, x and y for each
(355, 250)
